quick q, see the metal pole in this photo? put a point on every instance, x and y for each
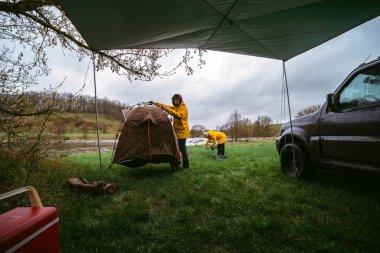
(290, 115)
(97, 125)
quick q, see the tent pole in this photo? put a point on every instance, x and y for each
(290, 114)
(97, 124)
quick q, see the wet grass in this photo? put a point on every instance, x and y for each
(240, 204)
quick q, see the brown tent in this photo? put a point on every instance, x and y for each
(147, 136)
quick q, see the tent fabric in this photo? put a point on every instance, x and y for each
(266, 28)
(147, 136)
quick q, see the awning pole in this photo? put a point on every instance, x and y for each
(97, 125)
(290, 114)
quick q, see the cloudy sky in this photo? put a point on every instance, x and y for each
(228, 82)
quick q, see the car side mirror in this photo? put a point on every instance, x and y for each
(330, 102)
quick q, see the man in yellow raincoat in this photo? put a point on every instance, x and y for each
(215, 137)
(180, 123)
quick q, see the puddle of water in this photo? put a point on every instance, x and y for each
(78, 150)
(83, 146)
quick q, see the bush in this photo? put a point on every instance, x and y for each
(8, 167)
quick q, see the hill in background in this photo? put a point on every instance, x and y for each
(83, 126)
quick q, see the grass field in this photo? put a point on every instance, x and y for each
(240, 204)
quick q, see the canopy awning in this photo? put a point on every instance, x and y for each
(275, 29)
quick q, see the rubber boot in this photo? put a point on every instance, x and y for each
(186, 164)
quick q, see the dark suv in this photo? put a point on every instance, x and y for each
(345, 132)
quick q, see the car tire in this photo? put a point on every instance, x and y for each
(303, 169)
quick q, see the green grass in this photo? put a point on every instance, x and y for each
(240, 204)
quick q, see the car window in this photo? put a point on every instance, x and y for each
(363, 89)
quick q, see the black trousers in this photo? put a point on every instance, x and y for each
(183, 149)
(220, 149)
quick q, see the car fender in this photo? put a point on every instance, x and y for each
(300, 136)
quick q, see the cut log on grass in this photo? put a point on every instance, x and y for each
(94, 186)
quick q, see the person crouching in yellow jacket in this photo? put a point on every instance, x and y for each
(214, 137)
(180, 124)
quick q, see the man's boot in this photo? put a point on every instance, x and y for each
(186, 164)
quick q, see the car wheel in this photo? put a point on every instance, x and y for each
(298, 165)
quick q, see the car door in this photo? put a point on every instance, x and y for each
(351, 132)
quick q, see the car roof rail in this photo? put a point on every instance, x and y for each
(365, 63)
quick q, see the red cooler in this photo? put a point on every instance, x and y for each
(29, 229)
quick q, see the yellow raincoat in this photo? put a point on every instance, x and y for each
(214, 137)
(180, 119)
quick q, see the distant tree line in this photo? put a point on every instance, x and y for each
(238, 127)
(68, 102)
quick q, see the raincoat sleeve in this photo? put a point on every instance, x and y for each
(179, 114)
(211, 137)
(162, 105)
(213, 140)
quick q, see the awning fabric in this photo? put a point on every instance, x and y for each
(278, 29)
